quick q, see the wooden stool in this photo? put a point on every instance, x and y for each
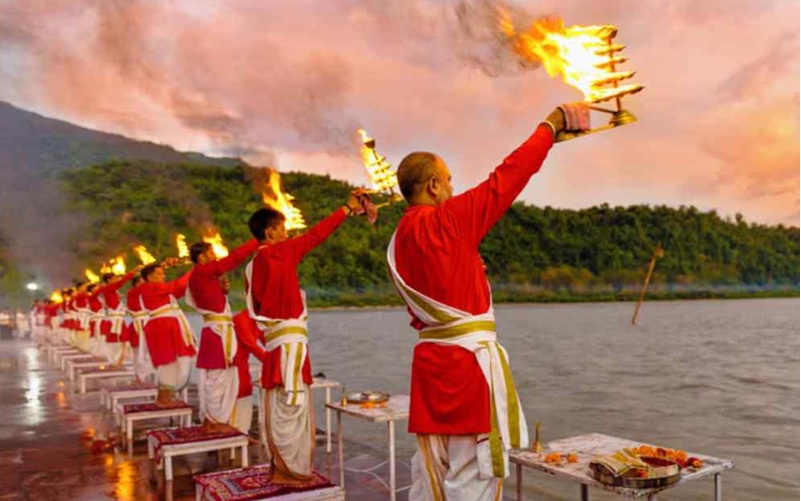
(254, 484)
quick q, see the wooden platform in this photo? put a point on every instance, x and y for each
(95, 375)
(165, 444)
(254, 484)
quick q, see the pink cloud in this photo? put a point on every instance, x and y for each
(296, 80)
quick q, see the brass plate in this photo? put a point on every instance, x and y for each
(361, 397)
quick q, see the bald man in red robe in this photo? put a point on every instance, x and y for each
(464, 406)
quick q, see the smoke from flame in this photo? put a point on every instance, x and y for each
(144, 256)
(216, 241)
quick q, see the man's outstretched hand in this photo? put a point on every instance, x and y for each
(569, 117)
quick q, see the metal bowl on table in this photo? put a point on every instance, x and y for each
(362, 397)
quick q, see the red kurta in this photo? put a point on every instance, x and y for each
(132, 303)
(80, 304)
(95, 306)
(247, 336)
(165, 341)
(449, 394)
(112, 299)
(208, 295)
(275, 289)
(51, 312)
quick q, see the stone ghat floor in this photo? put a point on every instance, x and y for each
(50, 435)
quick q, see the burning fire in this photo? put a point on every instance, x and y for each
(118, 265)
(273, 197)
(56, 296)
(144, 255)
(584, 56)
(180, 242)
(382, 176)
(91, 276)
(214, 238)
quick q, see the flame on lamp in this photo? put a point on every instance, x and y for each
(216, 241)
(56, 296)
(144, 256)
(180, 242)
(91, 276)
(274, 197)
(382, 177)
(118, 265)
(583, 56)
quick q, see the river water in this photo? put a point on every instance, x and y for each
(719, 378)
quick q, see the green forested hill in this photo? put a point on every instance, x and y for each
(532, 254)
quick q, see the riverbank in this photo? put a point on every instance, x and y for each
(347, 301)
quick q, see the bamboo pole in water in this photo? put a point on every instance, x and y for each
(658, 252)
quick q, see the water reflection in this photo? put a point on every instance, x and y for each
(126, 481)
(33, 405)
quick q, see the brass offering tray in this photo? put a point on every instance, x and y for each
(663, 473)
(363, 397)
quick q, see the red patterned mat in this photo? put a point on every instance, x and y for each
(189, 434)
(132, 387)
(150, 406)
(109, 369)
(249, 484)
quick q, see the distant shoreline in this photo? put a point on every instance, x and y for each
(370, 301)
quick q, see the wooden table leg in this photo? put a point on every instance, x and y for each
(129, 434)
(168, 467)
(585, 494)
(245, 458)
(340, 447)
(519, 481)
(327, 420)
(391, 426)
(262, 420)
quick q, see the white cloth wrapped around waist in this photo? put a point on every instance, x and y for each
(292, 336)
(117, 319)
(222, 324)
(83, 318)
(508, 424)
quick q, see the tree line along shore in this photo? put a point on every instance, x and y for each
(533, 254)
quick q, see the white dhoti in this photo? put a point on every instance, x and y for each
(445, 467)
(175, 375)
(290, 432)
(217, 390)
(288, 409)
(243, 414)
(143, 367)
(82, 340)
(113, 352)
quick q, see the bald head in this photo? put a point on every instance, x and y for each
(424, 178)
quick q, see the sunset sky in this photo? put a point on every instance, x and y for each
(288, 83)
